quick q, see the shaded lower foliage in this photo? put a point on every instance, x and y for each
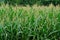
(31, 2)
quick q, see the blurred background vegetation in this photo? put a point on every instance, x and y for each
(31, 2)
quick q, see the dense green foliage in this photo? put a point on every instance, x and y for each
(31, 2)
(26, 23)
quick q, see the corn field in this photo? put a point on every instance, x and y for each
(29, 23)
